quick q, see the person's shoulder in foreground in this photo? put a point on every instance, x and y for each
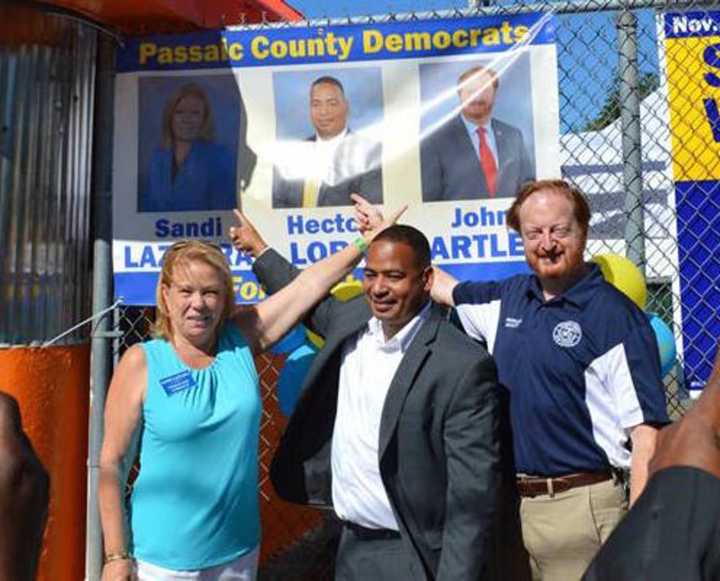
(673, 531)
(24, 494)
(671, 534)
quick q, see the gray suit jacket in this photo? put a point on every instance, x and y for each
(439, 441)
(358, 160)
(451, 169)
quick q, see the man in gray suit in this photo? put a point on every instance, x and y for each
(473, 155)
(397, 425)
(327, 167)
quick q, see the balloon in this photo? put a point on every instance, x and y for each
(291, 341)
(665, 342)
(343, 291)
(292, 376)
(624, 276)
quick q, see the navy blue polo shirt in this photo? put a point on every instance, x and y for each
(582, 369)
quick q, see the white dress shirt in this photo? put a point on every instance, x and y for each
(369, 363)
(475, 138)
(326, 161)
(320, 164)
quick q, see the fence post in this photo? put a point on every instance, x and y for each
(101, 347)
(631, 137)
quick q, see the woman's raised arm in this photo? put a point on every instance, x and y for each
(266, 322)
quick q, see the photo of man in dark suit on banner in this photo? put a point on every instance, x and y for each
(334, 162)
(474, 155)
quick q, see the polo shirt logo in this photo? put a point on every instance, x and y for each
(512, 323)
(567, 334)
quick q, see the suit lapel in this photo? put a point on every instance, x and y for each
(503, 153)
(405, 376)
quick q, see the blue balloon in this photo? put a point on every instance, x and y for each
(292, 376)
(291, 341)
(665, 342)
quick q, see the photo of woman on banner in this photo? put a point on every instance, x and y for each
(330, 151)
(469, 149)
(193, 166)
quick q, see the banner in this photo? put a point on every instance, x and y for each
(692, 54)
(450, 116)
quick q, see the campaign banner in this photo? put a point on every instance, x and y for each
(692, 56)
(449, 116)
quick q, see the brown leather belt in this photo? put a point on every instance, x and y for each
(534, 486)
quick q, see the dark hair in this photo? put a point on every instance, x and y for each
(328, 80)
(581, 208)
(410, 236)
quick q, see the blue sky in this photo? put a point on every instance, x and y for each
(340, 8)
(587, 54)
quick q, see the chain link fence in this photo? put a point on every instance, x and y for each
(616, 146)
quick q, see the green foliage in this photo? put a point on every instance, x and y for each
(611, 109)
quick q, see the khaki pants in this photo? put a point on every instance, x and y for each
(562, 533)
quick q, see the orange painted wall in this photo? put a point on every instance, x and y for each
(51, 386)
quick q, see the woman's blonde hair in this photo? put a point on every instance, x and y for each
(182, 253)
(207, 131)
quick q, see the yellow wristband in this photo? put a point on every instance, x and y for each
(124, 556)
(361, 244)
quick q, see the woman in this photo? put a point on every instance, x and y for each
(194, 511)
(190, 171)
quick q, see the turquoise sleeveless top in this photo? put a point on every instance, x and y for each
(195, 502)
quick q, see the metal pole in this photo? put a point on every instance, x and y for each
(631, 138)
(101, 346)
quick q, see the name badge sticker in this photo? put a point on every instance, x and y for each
(172, 384)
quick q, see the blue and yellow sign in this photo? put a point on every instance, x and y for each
(692, 50)
(288, 122)
(336, 44)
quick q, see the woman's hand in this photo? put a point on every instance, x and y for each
(367, 216)
(370, 219)
(245, 237)
(120, 570)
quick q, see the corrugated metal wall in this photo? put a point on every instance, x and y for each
(47, 83)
